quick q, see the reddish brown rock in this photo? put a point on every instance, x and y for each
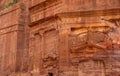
(60, 38)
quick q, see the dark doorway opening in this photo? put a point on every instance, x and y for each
(50, 74)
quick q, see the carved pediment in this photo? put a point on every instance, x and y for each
(89, 39)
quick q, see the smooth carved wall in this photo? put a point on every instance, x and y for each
(11, 41)
(8, 54)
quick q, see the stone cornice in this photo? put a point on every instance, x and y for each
(106, 12)
(95, 13)
(43, 20)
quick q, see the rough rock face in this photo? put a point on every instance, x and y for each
(60, 38)
(3, 3)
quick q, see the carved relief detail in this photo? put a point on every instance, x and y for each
(50, 57)
(50, 61)
(114, 32)
(90, 38)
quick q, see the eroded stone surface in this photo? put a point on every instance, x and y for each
(60, 38)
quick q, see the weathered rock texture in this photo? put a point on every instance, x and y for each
(60, 38)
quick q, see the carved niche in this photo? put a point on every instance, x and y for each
(37, 55)
(45, 44)
(50, 58)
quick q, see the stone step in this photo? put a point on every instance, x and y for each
(20, 74)
(26, 74)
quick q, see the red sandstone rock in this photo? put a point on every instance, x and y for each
(60, 38)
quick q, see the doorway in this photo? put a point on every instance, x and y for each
(91, 68)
